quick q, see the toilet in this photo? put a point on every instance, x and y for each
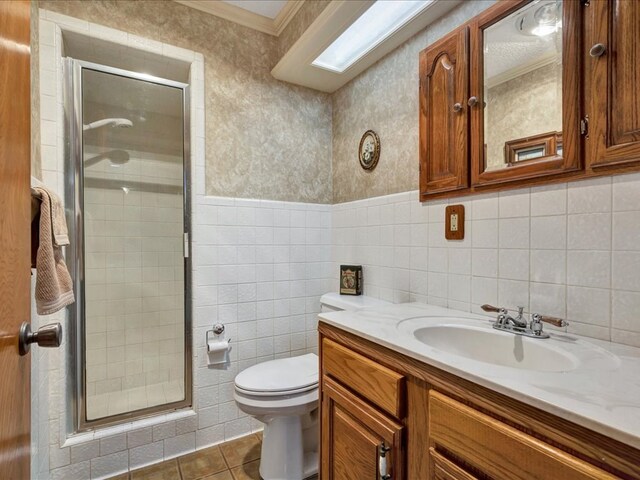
(283, 394)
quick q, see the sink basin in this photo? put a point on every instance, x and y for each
(497, 348)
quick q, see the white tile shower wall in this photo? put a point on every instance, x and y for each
(259, 267)
(134, 286)
(569, 250)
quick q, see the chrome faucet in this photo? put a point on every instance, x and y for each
(519, 326)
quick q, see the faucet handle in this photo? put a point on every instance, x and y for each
(555, 321)
(490, 308)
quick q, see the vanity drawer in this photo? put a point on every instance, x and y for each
(497, 449)
(378, 384)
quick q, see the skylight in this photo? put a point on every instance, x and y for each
(380, 21)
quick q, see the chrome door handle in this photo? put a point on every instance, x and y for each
(597, 50)
(47, 336)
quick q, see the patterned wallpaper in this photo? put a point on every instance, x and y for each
(265, 139)
(527, 105)
(384, 98)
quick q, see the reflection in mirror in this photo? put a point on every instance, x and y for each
(523, 86)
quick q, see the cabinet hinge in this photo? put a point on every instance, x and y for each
(584, 125)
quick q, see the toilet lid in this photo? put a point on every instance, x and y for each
(285, 375)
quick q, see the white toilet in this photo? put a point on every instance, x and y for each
(283, 394)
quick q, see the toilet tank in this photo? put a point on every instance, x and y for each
(333, 302)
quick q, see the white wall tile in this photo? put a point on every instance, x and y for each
(590, 196)
(589, 231)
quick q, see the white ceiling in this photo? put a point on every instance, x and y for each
(266, 8)
(507, 50)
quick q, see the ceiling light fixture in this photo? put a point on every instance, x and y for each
(380, 21)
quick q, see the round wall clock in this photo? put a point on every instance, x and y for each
(369, 151)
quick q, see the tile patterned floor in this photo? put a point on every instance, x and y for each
(235, 460)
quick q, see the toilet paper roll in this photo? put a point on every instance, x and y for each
(214, 346)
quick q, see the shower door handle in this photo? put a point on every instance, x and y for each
(49, 336)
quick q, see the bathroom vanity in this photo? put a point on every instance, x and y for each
(415, 391)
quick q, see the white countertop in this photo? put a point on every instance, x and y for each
(602, 395)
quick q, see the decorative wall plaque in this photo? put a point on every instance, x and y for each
(369, 151)
(350, 279)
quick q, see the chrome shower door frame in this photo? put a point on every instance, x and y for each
(74, 201)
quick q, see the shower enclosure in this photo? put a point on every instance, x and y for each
(128, 152)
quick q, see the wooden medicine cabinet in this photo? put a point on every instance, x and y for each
(531, 92)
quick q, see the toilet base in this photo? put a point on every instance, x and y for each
(285, 453)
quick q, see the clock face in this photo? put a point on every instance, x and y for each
(369, 150)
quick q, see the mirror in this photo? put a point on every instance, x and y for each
(523, 86)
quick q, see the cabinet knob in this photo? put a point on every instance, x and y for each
(597, 50)
(473, 101)
(457, 107)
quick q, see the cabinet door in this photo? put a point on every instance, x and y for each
(353, 436)
(444, 115)
(613, 65)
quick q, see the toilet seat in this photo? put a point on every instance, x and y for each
(276, 393)
(282, 377)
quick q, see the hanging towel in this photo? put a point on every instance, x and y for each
(54, 289)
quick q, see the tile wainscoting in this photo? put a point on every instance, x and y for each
(569, 250)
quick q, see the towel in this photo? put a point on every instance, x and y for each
(54, 289)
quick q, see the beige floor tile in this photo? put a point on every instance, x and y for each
(202, 463)
(160, 471)
(240, 451)
(226, 475)
(248, 471)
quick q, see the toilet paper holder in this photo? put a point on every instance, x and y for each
(218, 329)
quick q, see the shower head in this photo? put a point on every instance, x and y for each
(114, 122)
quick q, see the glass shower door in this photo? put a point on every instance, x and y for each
(133, 335)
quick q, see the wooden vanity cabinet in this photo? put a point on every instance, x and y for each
(441, 427)
(362, 403)
(357, 436)
(612, 98)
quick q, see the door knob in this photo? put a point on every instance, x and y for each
(46, 336)
(457, 107)
(473, 101)
(597, 50)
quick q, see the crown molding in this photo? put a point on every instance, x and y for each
(520, 70)
(286, 15)
(245, 17)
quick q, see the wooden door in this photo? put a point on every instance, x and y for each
(612, 54)
(444, 88)
(15, 265)
(353, 434)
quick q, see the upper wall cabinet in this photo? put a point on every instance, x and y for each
(444, 80)
(518, 119)
(552, 95)
(612, 100)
